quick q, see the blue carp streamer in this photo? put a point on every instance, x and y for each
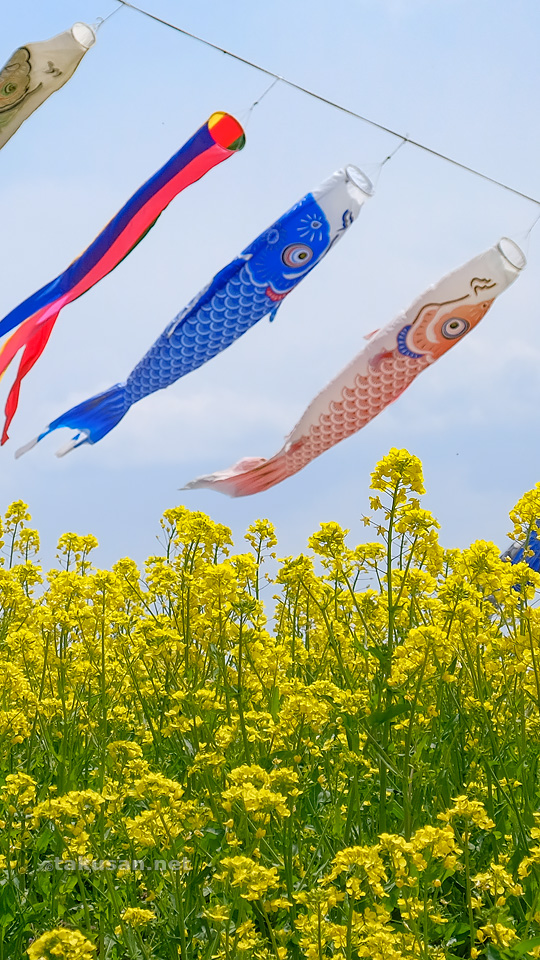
(247, 289)
(528, 552)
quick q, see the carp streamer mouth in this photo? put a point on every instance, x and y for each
(83, 34)
(226, 131)
(512, 253)
(359, 179)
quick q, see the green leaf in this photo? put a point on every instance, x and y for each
(380, 716)
(338, 822)
(351, 732)
(273, 706)
(380, 653)
(519, 949)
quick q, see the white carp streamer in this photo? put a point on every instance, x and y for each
(390, 361)
(35, 71)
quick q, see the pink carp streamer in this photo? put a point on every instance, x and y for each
(378, 375)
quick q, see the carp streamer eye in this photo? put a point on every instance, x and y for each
(455, 327)
(297, 255)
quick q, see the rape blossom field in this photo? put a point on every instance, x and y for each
(358, 778)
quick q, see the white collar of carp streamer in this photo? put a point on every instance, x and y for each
(511, 252)
(83, 34)
(359, 180)
(341, 197)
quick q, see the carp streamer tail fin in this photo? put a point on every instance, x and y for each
(250, 475)
(93, 419)
(33, 337)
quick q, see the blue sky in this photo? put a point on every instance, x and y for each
(460, 75)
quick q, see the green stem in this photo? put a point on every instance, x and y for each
(383, 773)
(466, 855)
(239, 694)
(348, 947)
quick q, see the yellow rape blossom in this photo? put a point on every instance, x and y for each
(468, 810)
(192, 764)
(359, 867)
(398, 468)
(61, 944)
(251, 879)
(137, 917)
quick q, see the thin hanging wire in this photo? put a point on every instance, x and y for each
(393, 153)
(268, 89)
(245, 117)
(374, 170)
(523, 239)
(333, 104)
(101, 20)
(532, 226)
